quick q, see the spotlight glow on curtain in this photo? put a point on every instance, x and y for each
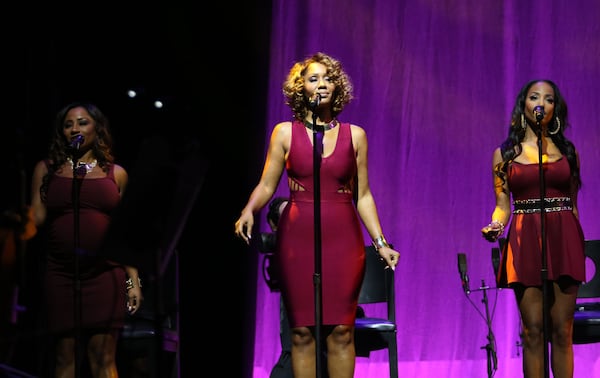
(435, 82)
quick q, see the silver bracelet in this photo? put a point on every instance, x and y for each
(380, 242)
(129, 283)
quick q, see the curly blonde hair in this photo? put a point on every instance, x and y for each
(293, 86)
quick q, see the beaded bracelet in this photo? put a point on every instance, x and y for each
(380, 242)
(129, 283)
(495, 223)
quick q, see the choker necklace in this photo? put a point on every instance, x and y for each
(327, 126)
(88, 166)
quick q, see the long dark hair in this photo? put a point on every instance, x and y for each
(511, 147)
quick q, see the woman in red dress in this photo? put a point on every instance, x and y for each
(80, 162)
(540, 112)
(319, 87)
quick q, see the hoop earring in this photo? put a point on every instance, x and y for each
(523, 123)
(557, 127)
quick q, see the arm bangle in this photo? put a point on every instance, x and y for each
(496, 223)
(380, 242)
(129, 283)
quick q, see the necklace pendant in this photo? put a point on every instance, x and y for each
(81, 166)
(321, 128)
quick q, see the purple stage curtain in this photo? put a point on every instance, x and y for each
(435, 82)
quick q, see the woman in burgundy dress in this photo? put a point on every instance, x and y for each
(318, 86)
(80, 179)
(540, 114)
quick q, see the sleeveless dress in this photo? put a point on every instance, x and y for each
(342, 244)
(102, 283)
(522, 255)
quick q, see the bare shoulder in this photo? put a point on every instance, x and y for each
(282, 135)
(119, 170)
(497, 153)
(121, 175)
(497, 156)
(40, 168)
(358, 133)
(283, 128)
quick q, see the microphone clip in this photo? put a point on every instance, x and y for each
(314, 101)
(76, 142)
(539, 114)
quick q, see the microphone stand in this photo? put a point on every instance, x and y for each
(544, 271)
(317, 231)
(78, 175)
(492, 359)
(490, 347)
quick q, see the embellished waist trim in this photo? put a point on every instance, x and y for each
(532, 205)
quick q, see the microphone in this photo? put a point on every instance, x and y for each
(538, 112)
(76, 142)
(314, 101)
(462, 269)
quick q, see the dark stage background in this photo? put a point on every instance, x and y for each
(210, 69)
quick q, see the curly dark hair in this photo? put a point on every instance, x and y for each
(511, 147)
(293, 86)
(58, 150)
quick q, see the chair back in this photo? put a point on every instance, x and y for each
(375, 333)
(586, 324)
(378, 283)
(591, 288)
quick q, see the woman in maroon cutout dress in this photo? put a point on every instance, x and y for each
(516, 174)
(318, 84)
(105, 297)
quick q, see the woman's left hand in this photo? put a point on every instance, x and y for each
(390, 256)
(134, 299)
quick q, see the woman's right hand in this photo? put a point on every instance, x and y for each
(243, 226)
(493, 231)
